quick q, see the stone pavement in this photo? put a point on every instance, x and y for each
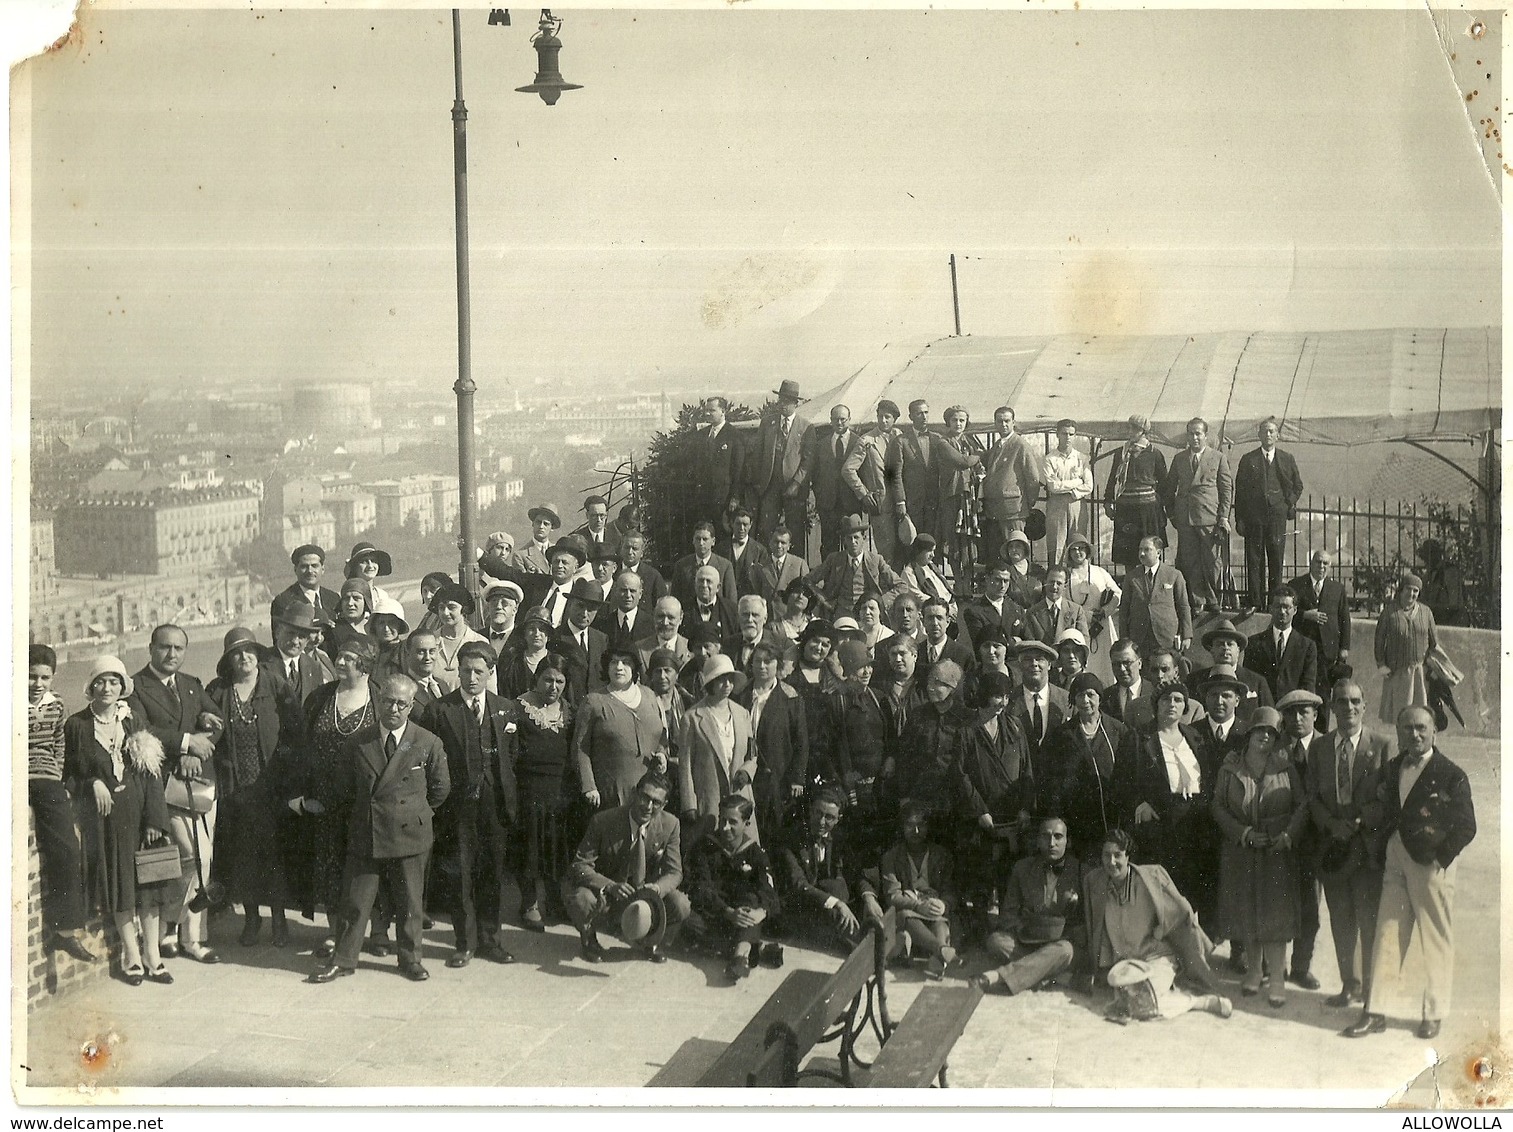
(552, 1020)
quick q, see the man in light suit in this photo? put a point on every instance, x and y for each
(309, 564)
(777, 469)
(1343, 779)
(917, 460)
(1427, 819)
(473, 825)
(721, 465)
(624, 851)
(834, 445)
(682, 575)
(169, 703)
(1156, 611)
(1281, 655)
(1198, 495)
(874, 473)
(390, 780)
(843, 577)
(666, 622)
(786, 568)
(535, 556)
(1011, 484)
(1324, 618)
(1054, 613)
(1267, 489)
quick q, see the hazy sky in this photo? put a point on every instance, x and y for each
(737, 195)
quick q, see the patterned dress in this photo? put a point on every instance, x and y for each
(323, 841)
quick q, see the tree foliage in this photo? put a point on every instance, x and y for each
(672, 480)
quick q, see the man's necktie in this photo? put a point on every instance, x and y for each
(638, 859)
(1342, 776)
(840, 445)
(477, 708)
(172, 688)
(293, 664)
(1037, 720)
(390, 746)
(624, 623)
(433, 687)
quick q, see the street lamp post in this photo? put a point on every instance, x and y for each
(549, 86)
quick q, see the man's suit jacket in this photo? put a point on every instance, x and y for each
(607, 621)
(1258, 696)
(772, 465)
(874, 473)
(1297, 667)
(830, 578)
(832, 493)
(782, 740)
(1437, 819)
(1155, 612)
(1041, 625)
(1056, 713)
(330, 602)
(1013, 477)
(1199, 492)
(169, 723)
(648, 644)
(738, 646)
(794, 566)
(681, 580)
(917, 456)
(722, 465)
(654, 586)
(609, 538)
(389, 801)
(979, 614)
(748, 572)
(724, 617)
(1334, 819)
(958, 651)
(532, 559)
(583, 668)
(1334, 634)
(605, 856)
(311, 670)
(1264, 496)
(472, 749)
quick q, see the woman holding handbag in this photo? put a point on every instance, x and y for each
(118, 763)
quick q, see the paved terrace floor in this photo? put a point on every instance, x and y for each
(553, 1020)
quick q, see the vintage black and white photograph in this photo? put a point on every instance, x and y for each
(758, 548)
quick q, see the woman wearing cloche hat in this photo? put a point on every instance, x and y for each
(716, 734)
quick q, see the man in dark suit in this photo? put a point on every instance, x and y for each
(389, 780)
(580, 645)
(711, 608)
(936, 646)
(1055, 612)
(1226, 645)
(1344, 775)
(752, 629)
(1198, 494)
(1267, 489)
(843, 577)
(1038, 706)
(1427, 819)
(1324, 618)
(777, 469)
(624, 619)
(597, 533)
(169, 703)
(1222, 729)
(309, 564)
(782, 736)
(1279, 654)
(721, 464)
(625, 852)
(917, 468)
(474, 823)
(294, 654)
(681, 578)
(654, 586)
(993, 607)
(1155, 610)
(834, 444)
(1303, 742)
(749, 560)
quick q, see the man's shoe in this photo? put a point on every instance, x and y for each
(415, 972)
(202, 953)
(460, 958)
(381, 948)
(737, 969)
(168, 949)
(1428, 1028)
(1344, 998)
(531, 918)
(326, 949)
(331, 974)
(495, 953)
(1303, 979)
(935, 969)
(1367, 1024)
(253, 925)
(984, 983)
(74, 946)
(655, 955)
(280, 932)
(591, 949)
(426, 923)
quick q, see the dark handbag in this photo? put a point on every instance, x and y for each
(189, 795)
(158, 863)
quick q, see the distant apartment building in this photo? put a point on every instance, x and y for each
(429, 501)
(143, 523)
(605, 416)
(354, 510)
(81, 609)
(296, 507)
(329, 407)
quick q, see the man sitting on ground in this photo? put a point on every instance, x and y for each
(1040, 934)
(817, 885)
(916, 880)
(730, 887)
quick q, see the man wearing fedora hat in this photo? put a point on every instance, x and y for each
(309, 563)
(565, 557)
(628, 853)
(293, 653)
(535, 556)
(777, 469)
(578, 642)
(844, 576)
(1011, 481)
(1225, 644)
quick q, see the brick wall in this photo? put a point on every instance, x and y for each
(54, 972)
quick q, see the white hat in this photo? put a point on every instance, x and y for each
(108, 664)
(1073, 635)
(497, 587)
(721, 665)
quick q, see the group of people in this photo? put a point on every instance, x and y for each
(736, 744)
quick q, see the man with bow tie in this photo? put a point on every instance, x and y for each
(710, 606)
(1427, 819)
(477, 731)
(390, 779)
